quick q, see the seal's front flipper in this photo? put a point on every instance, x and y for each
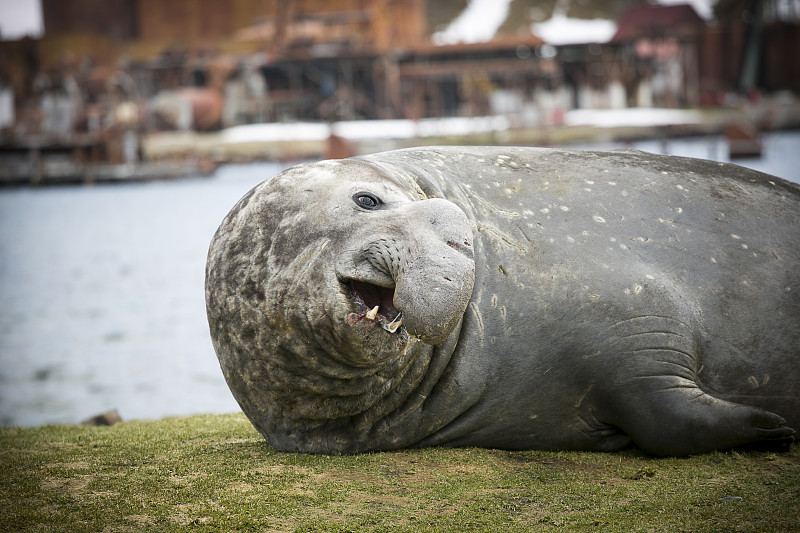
(685, 420)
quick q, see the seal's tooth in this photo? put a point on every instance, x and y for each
(372, 313)
(391, 328)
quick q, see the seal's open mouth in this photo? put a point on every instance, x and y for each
(376, 303)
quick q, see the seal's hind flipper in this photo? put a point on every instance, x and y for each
(664, 410)
(663, 419)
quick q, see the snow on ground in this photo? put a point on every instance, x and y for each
(560, 30)
(477, 23)
(363, 129)
(357, 130)
(481, 18)
(633, 116)
(429, 127)
(275, 132)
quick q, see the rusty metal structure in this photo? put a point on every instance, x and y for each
(107, 72)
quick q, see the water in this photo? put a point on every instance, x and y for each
(779, 157)
(102, 290)
(102, 299)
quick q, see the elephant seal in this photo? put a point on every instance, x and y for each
(517, 298)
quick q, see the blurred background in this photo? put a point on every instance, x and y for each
(128, 128)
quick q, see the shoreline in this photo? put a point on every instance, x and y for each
(170, 155)
(302, 141)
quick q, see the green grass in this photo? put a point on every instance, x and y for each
(215, 473)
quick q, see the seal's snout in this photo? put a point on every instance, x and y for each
(435, 282)
(419, 272)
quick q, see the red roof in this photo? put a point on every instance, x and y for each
(647, 20)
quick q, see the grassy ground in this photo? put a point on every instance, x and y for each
(215, 473)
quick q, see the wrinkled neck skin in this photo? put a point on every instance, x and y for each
(382, 408)
(308, 368)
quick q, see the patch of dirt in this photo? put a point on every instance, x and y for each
(77, 465)
(360, 503)
(186, 479)
(140, 522)
(240, 487)
(297, 491)
(422, 471)
(277, 470)
(104, 494)
(60, 445)
(340, 474)
(281, 525)
(73, 486)
(182, 513)
(141, 519)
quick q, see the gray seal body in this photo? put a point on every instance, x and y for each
(518, 298)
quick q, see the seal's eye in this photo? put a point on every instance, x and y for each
(366, 200)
